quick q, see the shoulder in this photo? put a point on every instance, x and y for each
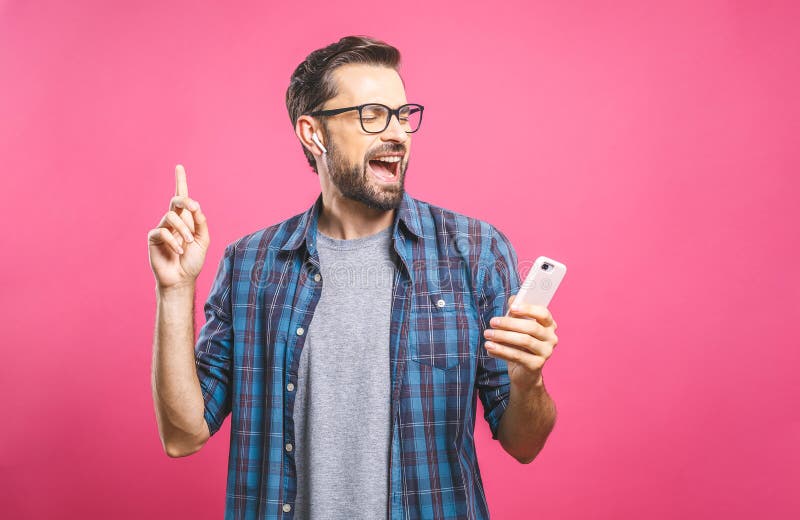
(470, 235)
(249, 253)
(481, 247)
(267, 238)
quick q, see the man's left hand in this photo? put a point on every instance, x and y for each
(525, 339)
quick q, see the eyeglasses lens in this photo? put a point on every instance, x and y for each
(374, 118)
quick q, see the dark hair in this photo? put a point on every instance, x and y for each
(312, 82)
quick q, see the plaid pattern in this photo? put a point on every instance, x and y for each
(454, 273)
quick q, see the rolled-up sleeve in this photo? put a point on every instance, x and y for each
(214, 348)
(501, 280)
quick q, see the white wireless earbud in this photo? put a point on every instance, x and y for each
(316, 140)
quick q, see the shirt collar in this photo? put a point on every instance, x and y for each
(306, 227)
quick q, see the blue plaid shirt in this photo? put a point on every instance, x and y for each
(453, 274)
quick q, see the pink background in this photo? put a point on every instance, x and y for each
(652, 147)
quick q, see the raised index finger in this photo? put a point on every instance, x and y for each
(181, 188)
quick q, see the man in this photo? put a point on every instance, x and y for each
(347, 342)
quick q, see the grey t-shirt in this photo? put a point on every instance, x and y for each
(342, 408)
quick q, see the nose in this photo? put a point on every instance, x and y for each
(394, 132)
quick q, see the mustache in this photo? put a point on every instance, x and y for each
(392, 150)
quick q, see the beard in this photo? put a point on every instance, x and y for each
(356, 183)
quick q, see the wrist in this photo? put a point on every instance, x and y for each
(535, 387)
(178, 290)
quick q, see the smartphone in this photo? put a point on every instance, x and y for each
(541, 282)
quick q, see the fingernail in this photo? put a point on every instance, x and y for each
(180, 250)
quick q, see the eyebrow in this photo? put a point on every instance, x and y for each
(379, 103)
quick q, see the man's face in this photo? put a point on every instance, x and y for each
(350, 148)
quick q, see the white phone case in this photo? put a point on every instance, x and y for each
(541, 282)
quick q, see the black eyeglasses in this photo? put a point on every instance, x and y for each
(375, 117)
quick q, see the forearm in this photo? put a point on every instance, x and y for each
(527, 421)
(177, 395)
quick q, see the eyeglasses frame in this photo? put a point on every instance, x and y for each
(392, 111)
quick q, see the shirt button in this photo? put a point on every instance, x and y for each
(289, 446)
(300, 331)
(440, 303)
(290, 387)
(317, 277)
(287, 508)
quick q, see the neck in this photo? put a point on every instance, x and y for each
(346, 219)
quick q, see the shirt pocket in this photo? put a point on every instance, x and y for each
(442, 328)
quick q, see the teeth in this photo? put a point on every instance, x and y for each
(387, 159)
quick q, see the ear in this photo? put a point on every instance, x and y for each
(304, 128)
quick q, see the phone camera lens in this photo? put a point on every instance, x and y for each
(545, 266)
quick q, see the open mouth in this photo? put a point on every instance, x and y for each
(385, 170)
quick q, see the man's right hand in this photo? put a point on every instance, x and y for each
(178, 245)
